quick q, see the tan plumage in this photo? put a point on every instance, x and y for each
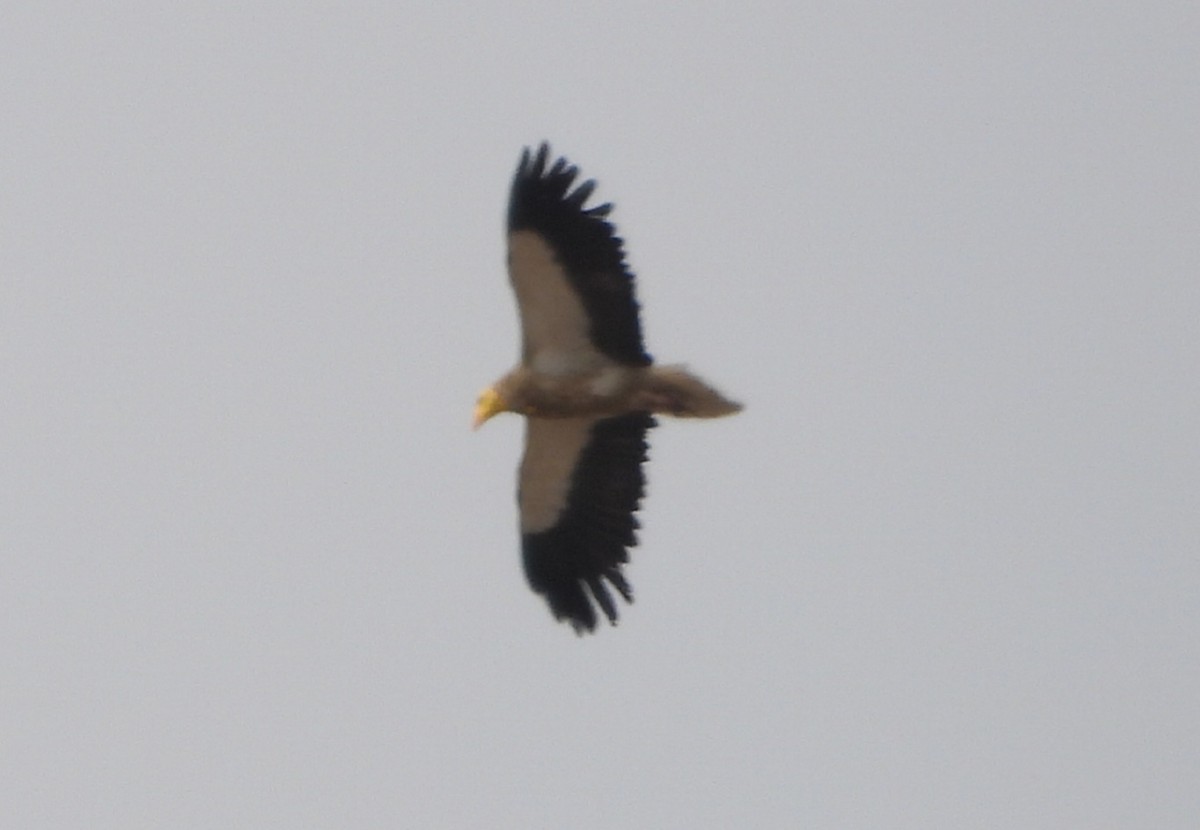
(587, 388)
(611, 389)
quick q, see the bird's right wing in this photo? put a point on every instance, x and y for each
(580, 483)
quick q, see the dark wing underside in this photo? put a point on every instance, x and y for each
(585, 246)
(570, 561)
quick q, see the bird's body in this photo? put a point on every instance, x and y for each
(611, 390)
(587, 389)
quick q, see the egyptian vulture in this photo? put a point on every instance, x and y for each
(587, 389)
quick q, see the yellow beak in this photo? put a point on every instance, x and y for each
(489, 404)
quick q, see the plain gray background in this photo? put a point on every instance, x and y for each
(256, 571)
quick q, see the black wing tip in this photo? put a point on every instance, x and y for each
(576, 573)
(539, 187)
(533, 162)
(538, 179)
(574, 598)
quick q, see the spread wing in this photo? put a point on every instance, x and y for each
(567, 267)
(580, 484)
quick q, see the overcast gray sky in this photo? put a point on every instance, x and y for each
(256, 571)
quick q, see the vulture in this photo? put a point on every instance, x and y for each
(587, 388)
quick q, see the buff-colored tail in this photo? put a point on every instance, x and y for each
(673, 390)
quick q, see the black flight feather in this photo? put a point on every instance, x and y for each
(588, 545)
(585, 245)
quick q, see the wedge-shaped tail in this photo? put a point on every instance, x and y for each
(673, 390)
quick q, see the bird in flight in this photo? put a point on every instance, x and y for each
(587, 388)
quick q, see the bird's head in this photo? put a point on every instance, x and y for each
(490, 403)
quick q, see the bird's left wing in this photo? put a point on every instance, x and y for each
(567, 266)
(580, 484)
